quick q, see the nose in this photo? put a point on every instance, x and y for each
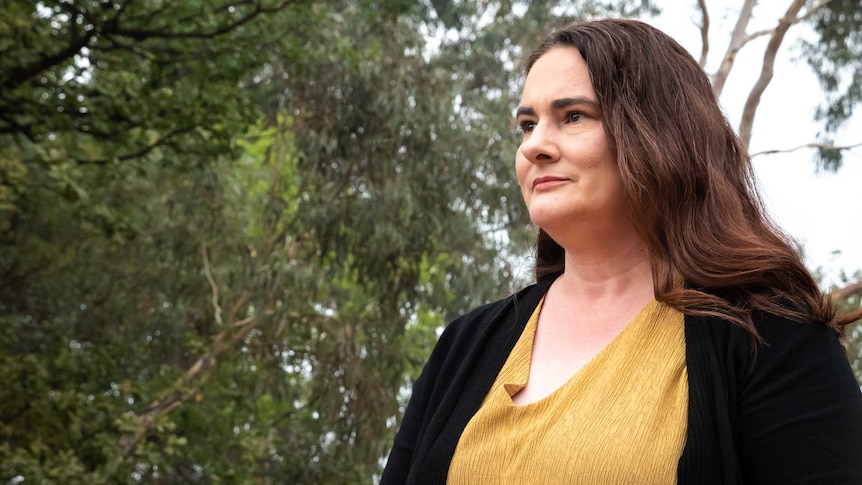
(540, 145)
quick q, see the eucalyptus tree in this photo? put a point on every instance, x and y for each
(833, 50)
(229, 230)
(834, 53)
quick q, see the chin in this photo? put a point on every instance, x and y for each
(551, 222)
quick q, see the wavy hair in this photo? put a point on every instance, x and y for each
(689, 183)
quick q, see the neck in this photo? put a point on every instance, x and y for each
(607, 265)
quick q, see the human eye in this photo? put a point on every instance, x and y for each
(526, 126)
(574, 116)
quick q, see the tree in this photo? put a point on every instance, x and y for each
(100, 69)
(230, 230)
(834, 56)
(195, 288)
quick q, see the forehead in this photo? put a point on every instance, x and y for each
(560, 72)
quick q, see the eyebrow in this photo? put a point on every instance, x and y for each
(559, 104)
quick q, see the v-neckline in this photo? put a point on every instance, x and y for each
(522, 374)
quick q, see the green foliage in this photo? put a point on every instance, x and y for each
(104, 82)
(853, 335)
(835, 58)
(229, 231)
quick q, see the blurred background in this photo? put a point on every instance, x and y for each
(231, 230)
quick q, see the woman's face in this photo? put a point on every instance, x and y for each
(565, 166)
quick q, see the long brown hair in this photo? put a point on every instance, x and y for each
(689, 182)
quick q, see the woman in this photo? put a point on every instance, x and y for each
(673, 334)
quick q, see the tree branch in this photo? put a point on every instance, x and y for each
(753, 101)
(184, 389)
(213, 285)
(814, 9)
(847, 292)
(737, 40)
(759, 33)
(810, 13)
(704, 32)
(820, 146)
(140, 34)
(141, 152)
(16, 77)
(188, 386)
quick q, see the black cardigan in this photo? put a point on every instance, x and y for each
(789, 413)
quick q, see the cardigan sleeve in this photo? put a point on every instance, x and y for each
(401, 454)
(435, 392)
(403, 451)
(463, 365)
(799, 408)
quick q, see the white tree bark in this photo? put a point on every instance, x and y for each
(739, 38)
(791, 16)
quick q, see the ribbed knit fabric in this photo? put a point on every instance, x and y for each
(622, 418)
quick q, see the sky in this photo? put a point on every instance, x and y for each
(819, 209)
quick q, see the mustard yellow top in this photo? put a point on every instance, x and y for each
(621, 419)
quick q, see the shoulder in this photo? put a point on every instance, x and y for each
(800, 349)
(799, 407)
(779, 336)
(796, 355)
(794, 358)
(792, 404)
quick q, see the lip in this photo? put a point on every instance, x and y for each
(547, 182)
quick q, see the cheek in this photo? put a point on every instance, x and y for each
(613, 186)
(522, 166)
